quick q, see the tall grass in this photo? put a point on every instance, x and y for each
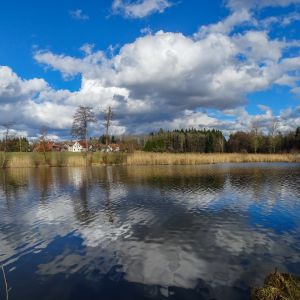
(146, 158)
(69, 159)
(60, 159)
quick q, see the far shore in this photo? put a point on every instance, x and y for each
(138, 158)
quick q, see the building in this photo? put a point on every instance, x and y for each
(59, 147)
(79, 146)
(111, 148)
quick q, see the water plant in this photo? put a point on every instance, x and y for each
(278, 286)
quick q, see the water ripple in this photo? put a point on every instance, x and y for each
(185, 232)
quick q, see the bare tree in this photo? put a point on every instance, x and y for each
(221, 143)
(20, 144)
(255, 137)
(108, 114)
(43, 141)
(82, 118)
(272, 132)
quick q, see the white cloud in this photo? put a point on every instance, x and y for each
(253, 44)
(296, 91)
(282, 21)
(87, 48)
(52, 115)
(225, 26)
(70, 66)
(29, 104)
(78, 15)
(13, 88)
(249, 4)
(162, 79)
(139, 8)
(152, 81)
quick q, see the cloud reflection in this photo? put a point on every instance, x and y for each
(163, 226)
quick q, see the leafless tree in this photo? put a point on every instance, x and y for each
(43, 141)
(221, 144)
(82, 118)
(20, 144)
(272, 133)
(107, 114)
(255, 136)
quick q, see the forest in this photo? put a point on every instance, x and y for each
(213, 141)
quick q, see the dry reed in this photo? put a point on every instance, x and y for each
(56, 159)
(148, 158)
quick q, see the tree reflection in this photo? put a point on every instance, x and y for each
(13, 184)
(108, 200)
(82, 195)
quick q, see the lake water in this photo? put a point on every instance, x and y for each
(205, 232)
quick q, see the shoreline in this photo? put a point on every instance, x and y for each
(139, 158)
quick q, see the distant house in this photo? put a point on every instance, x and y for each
(59, 147)
(111, 148)
(65, 147)
(115, 147)
(79, 146)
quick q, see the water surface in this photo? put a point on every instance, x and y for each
(205, 232)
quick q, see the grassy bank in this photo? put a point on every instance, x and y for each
(68, 159)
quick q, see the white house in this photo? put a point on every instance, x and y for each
(77, 147)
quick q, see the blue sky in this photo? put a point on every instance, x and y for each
(230, 65)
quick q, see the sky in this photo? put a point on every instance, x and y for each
(225, 64)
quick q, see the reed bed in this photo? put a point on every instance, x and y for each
(51, 159)
(67, 159)
(146, 158)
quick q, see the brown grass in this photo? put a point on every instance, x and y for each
(67, 159)
(148, 158)
(53, 159)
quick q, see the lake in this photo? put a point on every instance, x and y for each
(186, 232)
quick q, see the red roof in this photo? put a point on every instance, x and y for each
(83, 144)
(114, 146)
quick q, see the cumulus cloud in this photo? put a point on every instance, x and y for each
(12, 88)
(154, 80)
(29, 104)
(163, 79)
(140, 8)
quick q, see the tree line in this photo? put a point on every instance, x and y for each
(213, 141)
(15, 144)
(183, 140)
(180, 141)
(190, 140)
